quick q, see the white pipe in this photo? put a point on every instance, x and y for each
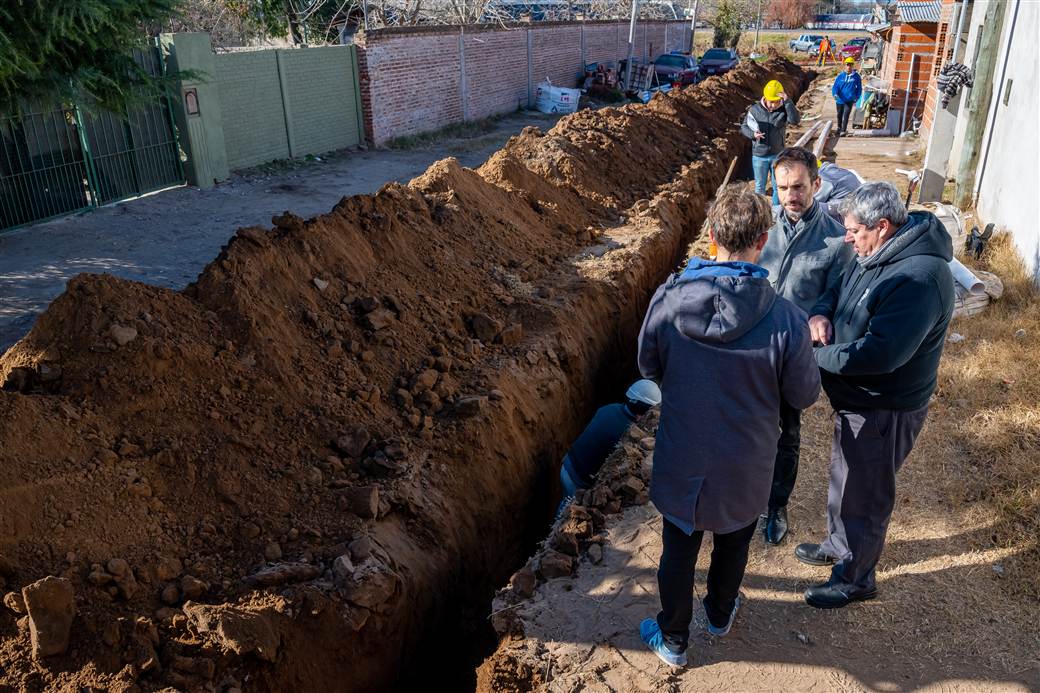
(963, 7)
(821, 141)
(964, 276)
(906, 99)
(631, 44)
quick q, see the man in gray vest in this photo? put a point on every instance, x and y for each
(883, 329)
(805, 254)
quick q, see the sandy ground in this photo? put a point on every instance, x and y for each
(167, 238)
(936, 626)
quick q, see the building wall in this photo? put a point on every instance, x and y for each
(943, 52)
(419, 79)
(1008, 175)
(281, 103)
(908, 89)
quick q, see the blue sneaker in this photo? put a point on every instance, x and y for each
(714, 630)
(651, 634)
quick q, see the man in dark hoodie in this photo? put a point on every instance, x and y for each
(726, 350)
(883, 329)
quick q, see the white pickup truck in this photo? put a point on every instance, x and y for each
(810, 43)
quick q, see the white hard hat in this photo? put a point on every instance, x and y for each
(645, 391)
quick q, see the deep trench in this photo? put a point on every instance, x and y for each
(455, 644)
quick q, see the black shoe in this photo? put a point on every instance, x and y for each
(828, 596)
(776, 526)
(813, 555)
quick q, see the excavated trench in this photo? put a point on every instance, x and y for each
(315, 465)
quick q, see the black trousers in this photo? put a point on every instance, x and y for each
(844, 111)
(675, 579)
(785, 469)
(869, 447)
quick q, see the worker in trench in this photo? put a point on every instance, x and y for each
(591, 449)
(765, 124)
(805, 255)
(727, 351)
(882, 329)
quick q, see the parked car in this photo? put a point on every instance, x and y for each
(718, 61)
(673, 68)
(854, 48)
(806, 42)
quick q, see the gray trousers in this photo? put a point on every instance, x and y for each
(869, 448)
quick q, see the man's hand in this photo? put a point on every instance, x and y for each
(820, 329)
(759, 134)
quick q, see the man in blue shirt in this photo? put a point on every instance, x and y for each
(847, 88)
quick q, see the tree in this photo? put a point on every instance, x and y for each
(76, 50)
(791, 14)
(728, 18)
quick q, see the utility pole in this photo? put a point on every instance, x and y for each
(978, 103)
(693, 29)
(631, 43)
(758, 25)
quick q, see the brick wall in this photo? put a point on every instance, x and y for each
(905, 41)
(251, 108)
(418, 79)
(943, 52)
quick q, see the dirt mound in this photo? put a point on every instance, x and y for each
(281, 472)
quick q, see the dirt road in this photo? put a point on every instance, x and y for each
(167, 238)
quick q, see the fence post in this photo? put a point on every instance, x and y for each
(283, 84)
(530, 86)
(463, 90)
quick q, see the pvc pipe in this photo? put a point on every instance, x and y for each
(963, 6)
(808, 134)
(821, 141)
(964, 276)
(906, 97)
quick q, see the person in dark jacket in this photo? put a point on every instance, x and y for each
(846, 90)
(765, 124)
(805, 254)
(883, 329)
(726, 350)
(591, 449)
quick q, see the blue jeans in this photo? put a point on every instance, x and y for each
(763, 168)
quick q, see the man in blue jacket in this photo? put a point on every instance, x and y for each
(726, 350)
(591, 449)
(883, 329)
(847, 89)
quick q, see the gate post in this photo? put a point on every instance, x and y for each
(196, 111)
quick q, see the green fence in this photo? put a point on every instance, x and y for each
(64, 160)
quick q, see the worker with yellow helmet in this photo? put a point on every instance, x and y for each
(765, 124)
(846, 90)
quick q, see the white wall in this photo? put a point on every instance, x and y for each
(1008, 176)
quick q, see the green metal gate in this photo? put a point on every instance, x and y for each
(65, 160)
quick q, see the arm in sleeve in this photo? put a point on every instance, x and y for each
(828, 301)
(744, 129)
(649, 358)
(858, 82)
(834, 87)
(800, 377)
(793, 117)
(894, 333)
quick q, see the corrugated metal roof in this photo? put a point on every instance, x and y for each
(919, 12)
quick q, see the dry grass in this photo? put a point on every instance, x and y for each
(987, 419)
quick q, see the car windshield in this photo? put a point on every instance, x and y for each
(857, 42)
(671, 60)
(717, 54)
(815, 38)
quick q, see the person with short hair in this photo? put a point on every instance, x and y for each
(805, 254)
(726, 351)
(882, 328)
(836, 183)
(848, 86)
(765, 124)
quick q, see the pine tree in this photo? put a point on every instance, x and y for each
(76, 50)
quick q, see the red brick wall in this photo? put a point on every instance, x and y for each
(905, 41)
(496, 72)
(412, 78)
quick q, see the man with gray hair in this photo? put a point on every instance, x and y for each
(804, 255)
(882, 329)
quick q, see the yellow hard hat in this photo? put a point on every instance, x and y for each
(850, 60)
(772, 90)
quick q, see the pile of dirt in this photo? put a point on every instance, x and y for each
(271, 479)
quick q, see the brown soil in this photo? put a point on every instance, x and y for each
(340, 425)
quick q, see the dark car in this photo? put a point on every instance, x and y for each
(718, 61)
(854, 48)
(674, 68)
